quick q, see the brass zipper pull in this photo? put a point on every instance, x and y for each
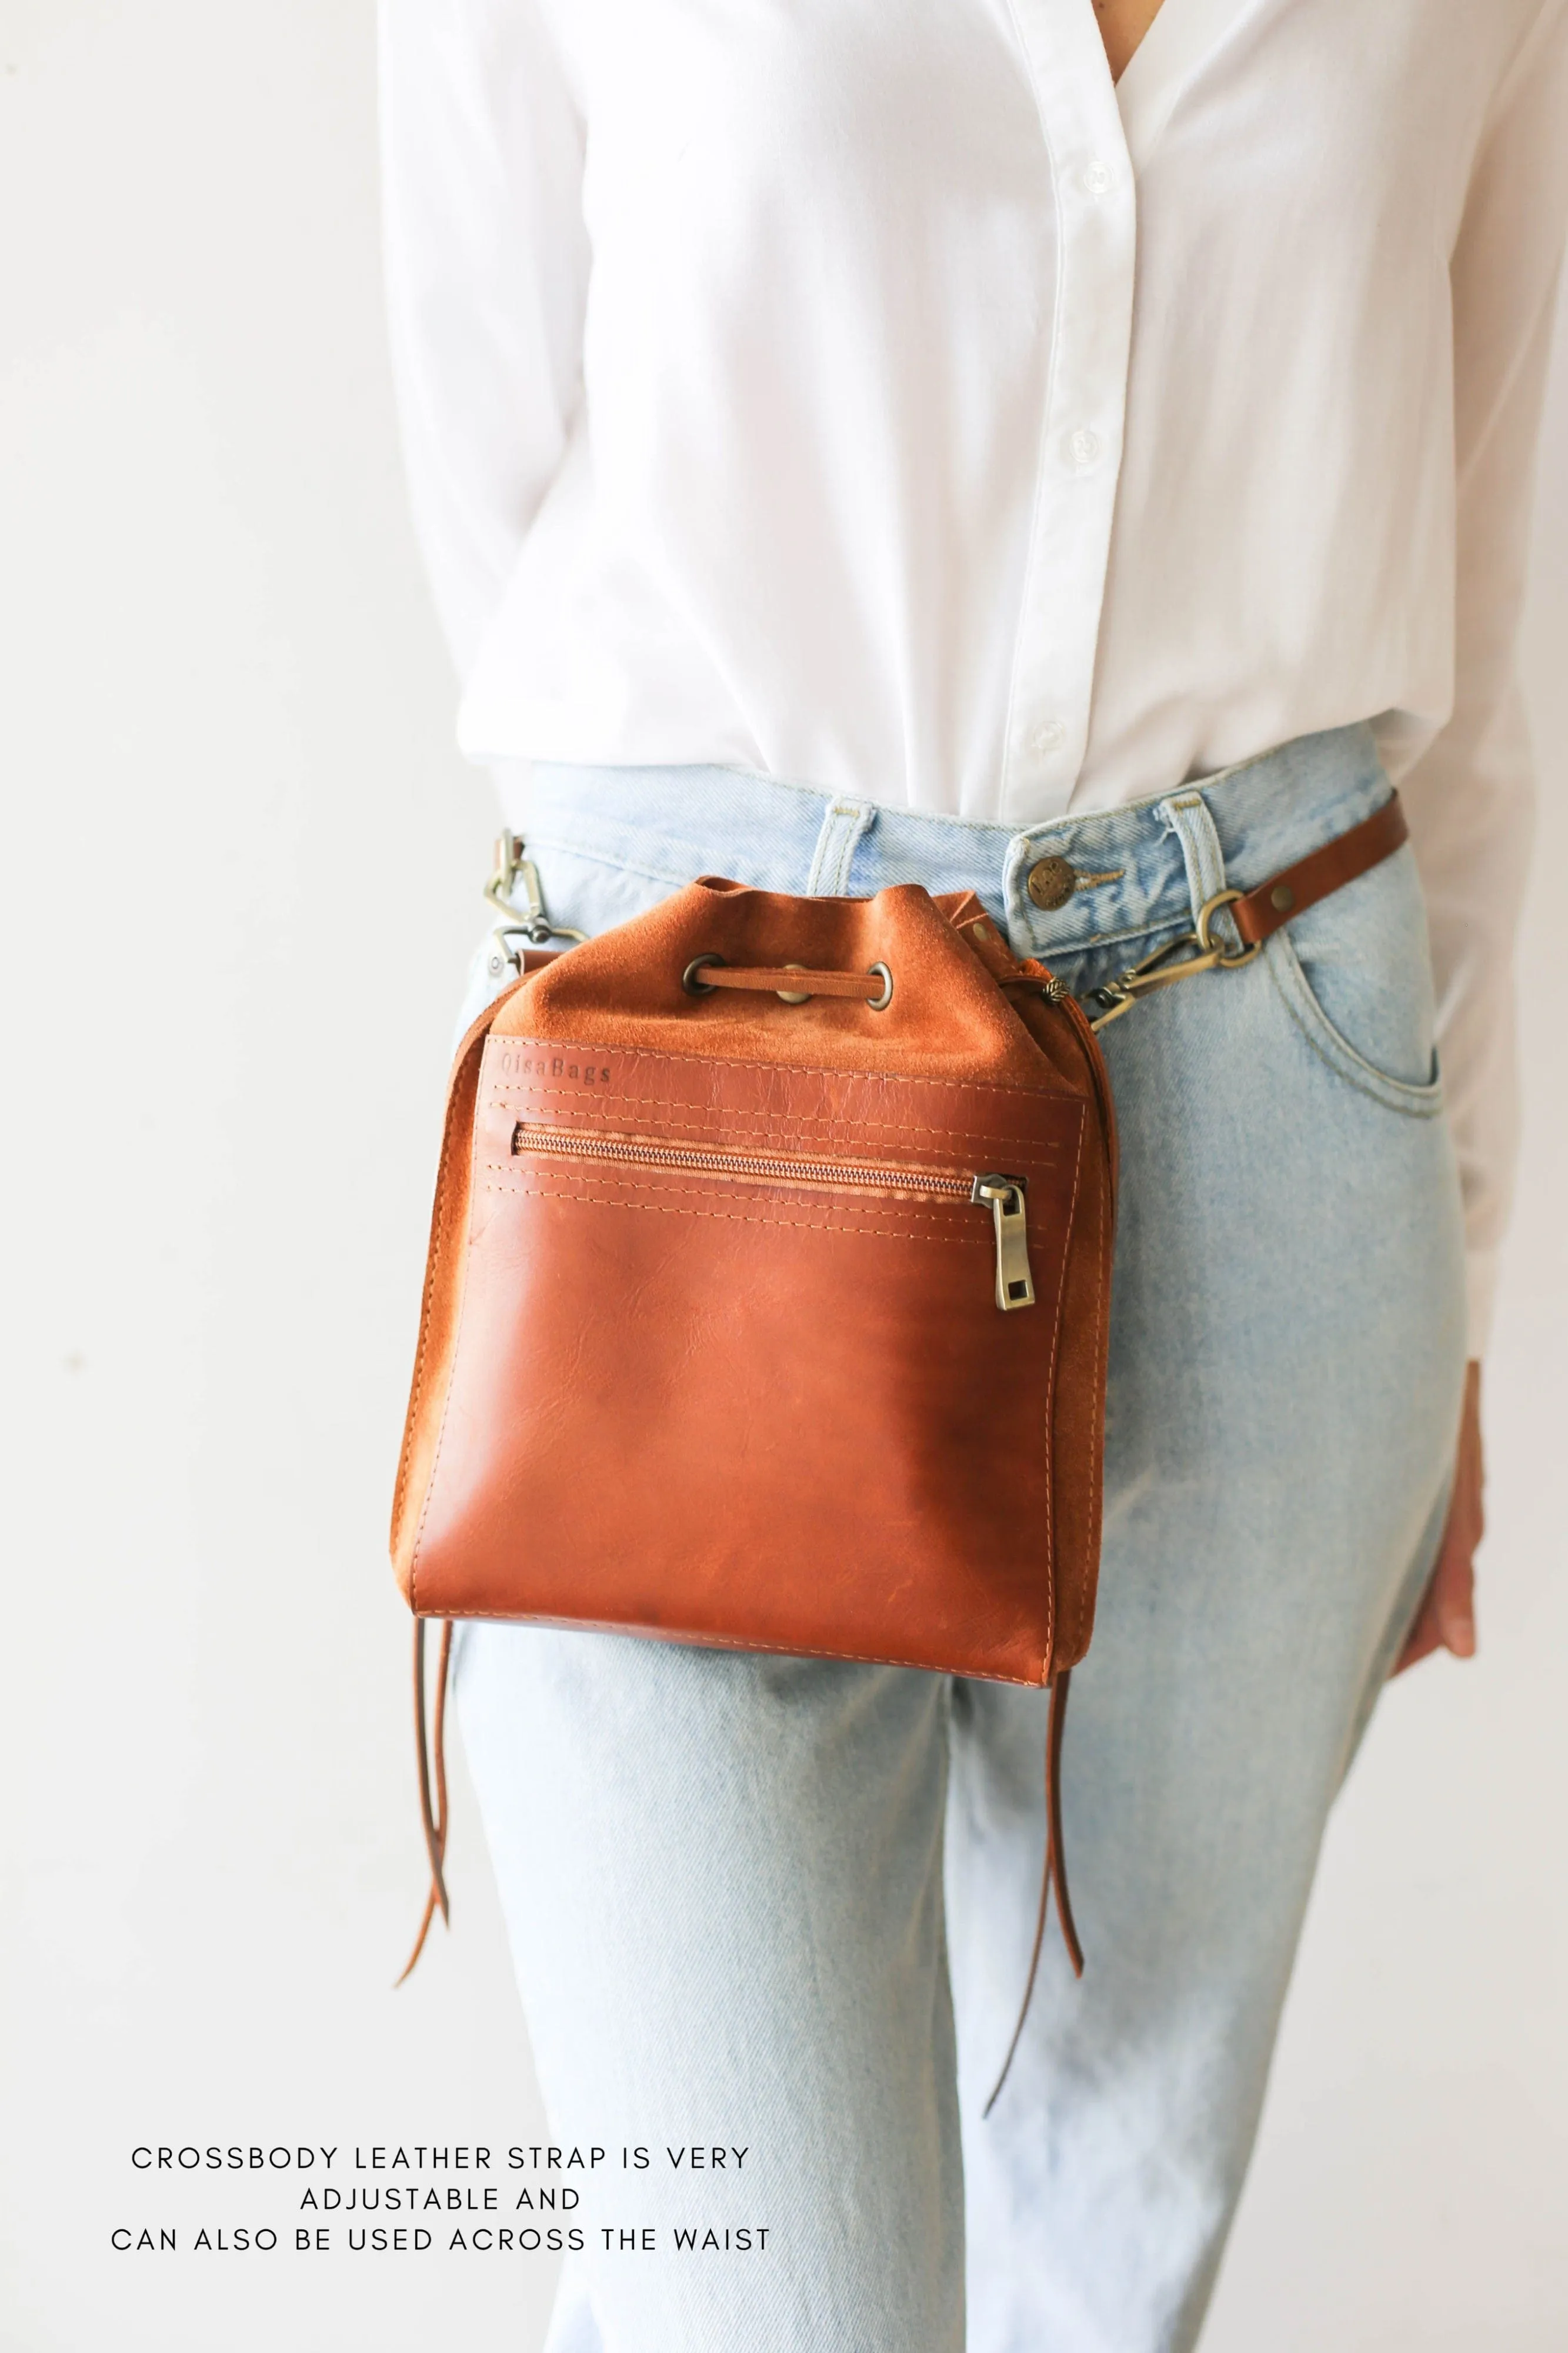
(1004, 1196)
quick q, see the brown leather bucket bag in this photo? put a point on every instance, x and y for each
(771, 1322)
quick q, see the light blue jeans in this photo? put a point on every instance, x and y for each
(784, 1907)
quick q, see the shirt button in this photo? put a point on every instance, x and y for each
(1050, 737)
(1098, 177)
(1083, 447)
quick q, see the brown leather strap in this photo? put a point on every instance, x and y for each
(434, 1814)
(1339, 861)
(1054, 1875)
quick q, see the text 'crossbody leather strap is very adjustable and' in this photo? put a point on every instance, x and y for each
(680, 1155)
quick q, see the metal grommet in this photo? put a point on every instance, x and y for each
(880, 1004)
(688, 980)
(792, 995)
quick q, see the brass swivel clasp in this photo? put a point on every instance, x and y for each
(1118, 996)
(532, 927)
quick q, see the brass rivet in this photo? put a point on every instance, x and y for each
(982, 930)
(1282, 897)
(1051, 883)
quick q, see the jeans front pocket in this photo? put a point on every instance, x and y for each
(1355, 973)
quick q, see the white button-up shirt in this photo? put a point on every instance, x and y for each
(880, 399)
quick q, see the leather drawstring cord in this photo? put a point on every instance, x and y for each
(795, 983)
(1054, 1875)
(434, 1814)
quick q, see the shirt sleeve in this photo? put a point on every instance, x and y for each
(1470, 796)
(487, 267)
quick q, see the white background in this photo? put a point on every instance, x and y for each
(240, 866)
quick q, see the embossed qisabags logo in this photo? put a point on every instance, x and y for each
(515, 1065)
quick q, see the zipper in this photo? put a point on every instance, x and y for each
(1005, 1197)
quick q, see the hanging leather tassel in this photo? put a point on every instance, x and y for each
(434, 1813)
(1054, 1875)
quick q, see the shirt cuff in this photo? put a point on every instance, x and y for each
(1480, 1291)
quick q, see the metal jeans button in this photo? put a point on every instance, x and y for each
(1051, 883)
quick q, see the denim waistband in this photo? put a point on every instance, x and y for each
(1136, 869)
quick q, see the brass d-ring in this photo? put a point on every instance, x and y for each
(880, 1004)
(688, 980)
(1229, 959)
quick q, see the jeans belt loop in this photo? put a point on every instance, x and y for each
(1189, 817)
(844, 823)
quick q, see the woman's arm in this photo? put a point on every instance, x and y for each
(1470, 796)
(487, 267)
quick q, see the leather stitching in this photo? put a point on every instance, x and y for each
(830, 1124)
(798, 1070)
(826, 1225)
(1097, 1453)
(1050, 1430)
